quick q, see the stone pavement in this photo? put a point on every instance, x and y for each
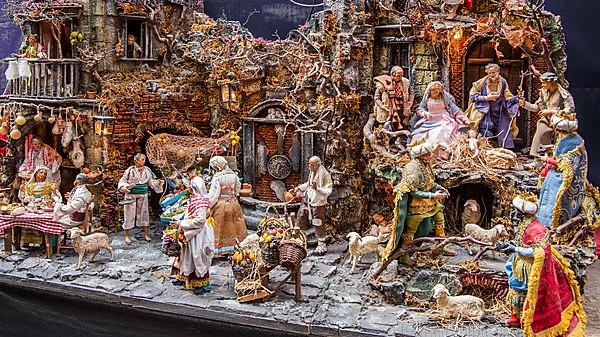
(336, 302)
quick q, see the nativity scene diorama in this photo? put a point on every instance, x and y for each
(437, 137)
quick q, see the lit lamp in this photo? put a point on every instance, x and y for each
(104, 127)
(229, 90)
(456, 33)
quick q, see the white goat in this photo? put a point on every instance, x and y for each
(89, 243)
(360, 246)
(485, 235)
(464, 306)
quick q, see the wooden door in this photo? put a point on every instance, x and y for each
(511, 63)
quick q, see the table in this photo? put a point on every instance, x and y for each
(40, 222)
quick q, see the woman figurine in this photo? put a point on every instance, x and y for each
(38, 191)
(33, 49)
(196, 256)
(226, 210)
(440, 118)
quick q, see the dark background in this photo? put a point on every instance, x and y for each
(580, 18)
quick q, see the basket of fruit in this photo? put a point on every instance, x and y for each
(172, 241)
(292, 249)
(270, 231)
(242, 263)
(269, 246)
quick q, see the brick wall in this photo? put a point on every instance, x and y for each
(180, 112)
(266, 133)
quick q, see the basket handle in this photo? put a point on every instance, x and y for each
(267, 211)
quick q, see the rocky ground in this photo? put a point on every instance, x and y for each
(335, 301)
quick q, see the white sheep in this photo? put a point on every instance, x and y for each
(471, 212)
(463, 306)
(251, 241)
(485, 235)
(89, 243)
(360, 246)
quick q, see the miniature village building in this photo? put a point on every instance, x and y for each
(162, 69)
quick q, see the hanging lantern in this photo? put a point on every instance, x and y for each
(37, 117)
(229, 88)
(15, 134)
(104, 125)
(20, 120)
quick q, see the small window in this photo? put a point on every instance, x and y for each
(138, 40)
(399, 55)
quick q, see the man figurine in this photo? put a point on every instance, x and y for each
(393, 99)
(133, 49)
(39, 154)
(553, 98)
(134, 184)
(418, 208)
(543, 292)
(564, 176)
(493, 107)
(314, 202)
(72, 214)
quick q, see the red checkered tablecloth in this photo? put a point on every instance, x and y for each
(41, 222)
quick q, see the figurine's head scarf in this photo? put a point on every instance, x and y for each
(218, 163)
(37, 169)
(445, 94)
(199, 198)
(565, 122)
(549, 77)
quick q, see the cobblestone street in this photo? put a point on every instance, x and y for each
(335, 301)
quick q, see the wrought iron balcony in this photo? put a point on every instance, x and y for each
(41, 78)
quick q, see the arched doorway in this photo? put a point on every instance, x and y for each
(275, 154)
(479, 54)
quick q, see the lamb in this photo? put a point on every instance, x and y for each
(360, 246)
(251, 241)
(485, 235)
(463, 306)
(471, 213)
(89, 243)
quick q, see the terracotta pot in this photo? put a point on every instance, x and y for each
(246, 190)
(91, 94)
(289, 196)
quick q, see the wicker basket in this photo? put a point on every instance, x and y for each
(240, 273)
(171, 248)
(292, 253)
(270, 255)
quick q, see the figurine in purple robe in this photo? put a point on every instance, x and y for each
(493, 107)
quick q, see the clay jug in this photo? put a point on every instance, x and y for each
(246, 190)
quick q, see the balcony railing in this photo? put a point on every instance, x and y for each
(44, 79)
